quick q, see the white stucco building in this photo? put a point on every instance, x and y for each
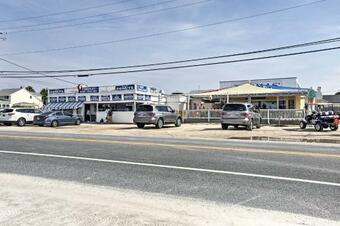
(19, 97)
(94, 103)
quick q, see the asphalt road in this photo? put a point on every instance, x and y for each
(294, 178)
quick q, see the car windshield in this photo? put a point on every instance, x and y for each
(144, 108)
(46, 113)
(7, 110)
(234, 107)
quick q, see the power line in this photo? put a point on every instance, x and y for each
(64, 12)
(91, 16)
(299, 45)
(110, 19)
(43, 75)
(187, 66)
(161, 33)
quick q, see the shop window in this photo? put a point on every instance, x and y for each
(291, 104)
(282, 104)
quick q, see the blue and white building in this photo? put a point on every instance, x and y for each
(94, 102)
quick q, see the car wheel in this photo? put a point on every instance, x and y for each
(78, 122)
(159, 124)
(21, 122)
(334, 127)
(303, 125)
(258, 126)
(54, 123)
(225, 126)
(178, 122)
(250, 126)
(318, 127)
(140, 125)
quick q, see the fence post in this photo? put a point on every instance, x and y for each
(208, 115)
(268, 117)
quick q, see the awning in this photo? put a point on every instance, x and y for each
(246, 89)
(63, 106)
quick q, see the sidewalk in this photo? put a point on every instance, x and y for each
(198, 130)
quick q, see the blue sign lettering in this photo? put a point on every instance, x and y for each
(94, 98)
(105, 97)
(56, 91)
(94, 89)
(61, 99)
(71, 98)
(53, 99)
(82, 98)
(142, 88)
(140, 97)
(125, 87)
(147, 97)
(128, 96)
(117, 97)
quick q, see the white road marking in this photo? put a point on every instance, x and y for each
(174, 167)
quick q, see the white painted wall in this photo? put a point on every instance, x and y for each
(23, 96)
(117, 116)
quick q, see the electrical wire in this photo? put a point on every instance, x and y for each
(91, 16)
(160, 33)
(299, 45)
(63, 12)
(186, 66)
(28, 69)
(110, 19)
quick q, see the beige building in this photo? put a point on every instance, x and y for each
(265, 98)
(19, 97)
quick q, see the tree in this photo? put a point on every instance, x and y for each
(44, 95)
(30, 89)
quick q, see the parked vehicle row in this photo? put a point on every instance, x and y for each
(23, 116)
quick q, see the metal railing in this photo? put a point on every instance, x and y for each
(208, 115)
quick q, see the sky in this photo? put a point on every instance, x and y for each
(309, 23)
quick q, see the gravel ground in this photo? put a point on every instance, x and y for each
(36, 201)
(198, 130)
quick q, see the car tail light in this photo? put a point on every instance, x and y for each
(245, 114)
(336, 121)
(152, 114)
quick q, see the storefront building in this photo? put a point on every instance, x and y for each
(101, 104)
(277, 93)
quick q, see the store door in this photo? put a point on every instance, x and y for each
(90, 112)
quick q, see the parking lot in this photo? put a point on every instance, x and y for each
(194, 130)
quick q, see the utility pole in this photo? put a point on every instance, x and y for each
(3, 36)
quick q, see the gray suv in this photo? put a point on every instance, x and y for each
(240, 114)
(158, 115)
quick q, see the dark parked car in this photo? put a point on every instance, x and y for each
(240, 114)
(157, 115)
(56, 118)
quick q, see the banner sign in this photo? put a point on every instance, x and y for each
(56, 91)
(94, 89)
(53, 99)
(125, 87)
(61, 99)
(128, 96)
(82, 98)
(105, 97)
(148, 97)
(94, 98)
(71, 99)
(140, 97)
(117, 97)
(142, 88)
